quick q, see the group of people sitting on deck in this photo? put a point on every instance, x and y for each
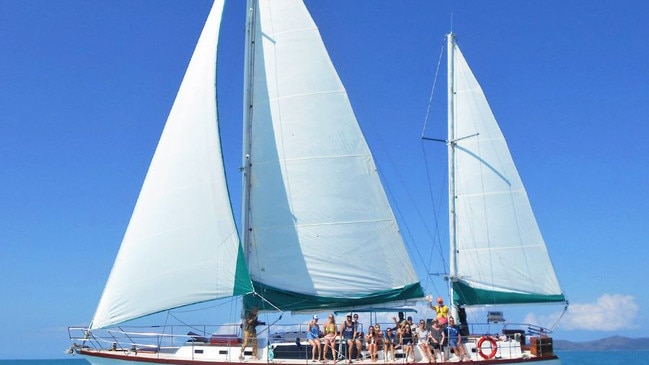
(430, 339)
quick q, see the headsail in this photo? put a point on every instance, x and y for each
(316, 201)
(500, 254)
(182, 233)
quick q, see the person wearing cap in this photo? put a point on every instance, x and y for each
(410, 324)
(313, 337)
(455, 340)
(441, 309)
(348, 333)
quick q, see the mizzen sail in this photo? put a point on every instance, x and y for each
(501, 256)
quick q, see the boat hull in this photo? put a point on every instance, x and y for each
(108, 357)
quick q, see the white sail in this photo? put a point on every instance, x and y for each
(501, 256)
(316, 200)
(182, 235)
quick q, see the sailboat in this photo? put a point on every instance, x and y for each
(310, 188)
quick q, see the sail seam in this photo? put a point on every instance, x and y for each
(284, 97)
(274, 34)
(311, 158)
(331, 223)
(499, 192)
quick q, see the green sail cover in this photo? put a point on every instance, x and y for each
(288, 301)
(466, 295)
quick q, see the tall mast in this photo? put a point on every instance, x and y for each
(247, 122)
(450, 39)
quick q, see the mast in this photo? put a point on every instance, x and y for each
(450, 39)
(247, 123)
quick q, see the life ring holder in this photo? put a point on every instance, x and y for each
(494, 347)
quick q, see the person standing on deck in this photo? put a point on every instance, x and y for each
(250, 332)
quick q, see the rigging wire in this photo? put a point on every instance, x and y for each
(432, 92)
(436, 207)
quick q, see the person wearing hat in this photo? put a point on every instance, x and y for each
(441, 309)
(455, 340)
(348, 334)
(313, 337)
(410, 324)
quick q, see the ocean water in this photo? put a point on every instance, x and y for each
(603, 357)
(567, 358)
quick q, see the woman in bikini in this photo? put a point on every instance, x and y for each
(330, 338)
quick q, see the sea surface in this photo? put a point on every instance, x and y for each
(567, 358)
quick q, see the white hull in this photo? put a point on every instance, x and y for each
(508, 352)
(103, 358)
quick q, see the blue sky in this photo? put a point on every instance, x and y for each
(86, 87)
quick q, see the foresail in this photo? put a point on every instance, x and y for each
(181, 246)
(316, 200)
(501, 255)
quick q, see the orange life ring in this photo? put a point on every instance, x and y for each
(494, 347)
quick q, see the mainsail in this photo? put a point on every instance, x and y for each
(313, 199)
(182, 234)
(500, 255)
(316, 201)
